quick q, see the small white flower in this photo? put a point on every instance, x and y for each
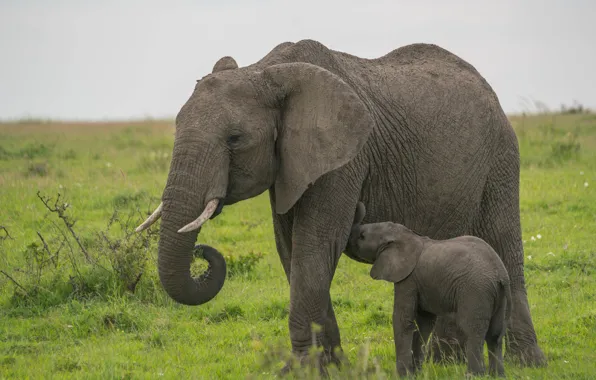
(581, 173)
(533, 238)
(60, 186)
(529, 257)
(538, 236)
(524, 241)
(550, 254)
(69, 326)
(109, 164)
(585, 184)
(565, 361)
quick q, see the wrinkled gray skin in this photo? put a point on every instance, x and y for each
(462, 276)
(418, 135)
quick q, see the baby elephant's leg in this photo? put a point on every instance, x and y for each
(474, 315)
(425, 322)
(495, 356)
(404, 315)
(494, 341)
(475, 330)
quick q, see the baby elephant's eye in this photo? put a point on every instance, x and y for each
(361, 236)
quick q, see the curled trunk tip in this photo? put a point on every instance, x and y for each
(198, 290)
(215, 275)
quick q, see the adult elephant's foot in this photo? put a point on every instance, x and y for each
(448, 342)
(529, 355)
(328, 351)
(521, 342)
(316, 361)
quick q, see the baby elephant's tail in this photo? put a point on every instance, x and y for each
(507, 289)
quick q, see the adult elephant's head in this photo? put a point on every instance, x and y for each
(240, 133)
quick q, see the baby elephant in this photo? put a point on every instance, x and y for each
(463, 275)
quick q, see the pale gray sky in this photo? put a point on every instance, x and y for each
(91, 59)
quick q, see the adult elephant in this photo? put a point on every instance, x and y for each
(417, 135)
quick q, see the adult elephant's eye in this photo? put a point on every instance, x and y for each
(233, 139)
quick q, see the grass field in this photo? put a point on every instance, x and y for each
(67, 316)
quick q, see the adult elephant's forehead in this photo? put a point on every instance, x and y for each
(213, 102)
(229, 82)
(222, 94)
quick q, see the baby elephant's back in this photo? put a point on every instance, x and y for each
(468, 254)
(458, 266)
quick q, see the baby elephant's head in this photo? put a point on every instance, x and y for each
(392, 248)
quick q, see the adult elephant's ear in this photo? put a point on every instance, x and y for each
(324, 124)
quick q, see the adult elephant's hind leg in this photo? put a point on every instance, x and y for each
(498, 223)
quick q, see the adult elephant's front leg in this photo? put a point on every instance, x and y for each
(282, 225)
(319, 235)
(310, 281)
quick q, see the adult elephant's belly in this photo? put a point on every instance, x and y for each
(432, 196)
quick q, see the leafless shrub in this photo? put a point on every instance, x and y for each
(67, 259)
(128, 253)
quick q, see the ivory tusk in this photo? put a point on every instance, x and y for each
(151, 219)
(198, 222)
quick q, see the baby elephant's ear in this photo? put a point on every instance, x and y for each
(398, 260)
(360, 212)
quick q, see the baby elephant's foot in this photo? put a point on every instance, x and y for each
(470, 373)
(447, 351)
(448, 342)
(496, 369)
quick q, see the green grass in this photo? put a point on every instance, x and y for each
(84, 324)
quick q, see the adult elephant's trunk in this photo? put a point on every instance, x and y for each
(176, 251)
(196, 183)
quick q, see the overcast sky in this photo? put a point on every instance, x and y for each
(91, 59)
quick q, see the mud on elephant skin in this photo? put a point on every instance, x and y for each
(320, 130)
(463, 276)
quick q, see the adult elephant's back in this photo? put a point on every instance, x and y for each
(439, 127)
